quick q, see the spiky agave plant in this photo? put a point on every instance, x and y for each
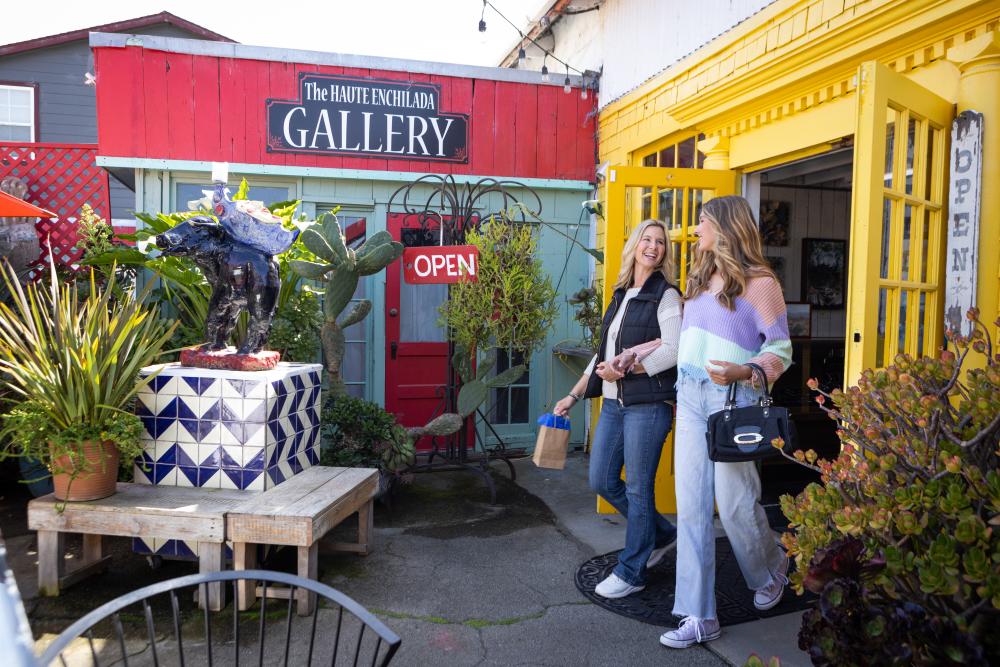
(72, 363)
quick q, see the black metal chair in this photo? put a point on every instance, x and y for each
(351, 634)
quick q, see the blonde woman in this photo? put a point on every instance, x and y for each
(636, 414)
(734, 314)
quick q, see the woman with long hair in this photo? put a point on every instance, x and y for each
(637, 413)
(734, 314)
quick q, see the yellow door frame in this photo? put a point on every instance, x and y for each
(692, 184)
(891, 277)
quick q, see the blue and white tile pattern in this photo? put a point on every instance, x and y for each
(229, 429)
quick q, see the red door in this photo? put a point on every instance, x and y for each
(416, 366)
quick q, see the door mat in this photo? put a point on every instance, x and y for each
(654, 604)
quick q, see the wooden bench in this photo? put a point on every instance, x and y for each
(136, 510)
(299, 512)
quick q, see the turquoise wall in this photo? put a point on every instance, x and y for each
(550, 379)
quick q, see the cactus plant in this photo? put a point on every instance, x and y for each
(341, 267)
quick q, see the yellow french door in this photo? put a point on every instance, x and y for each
(675, 196)
(898, 223)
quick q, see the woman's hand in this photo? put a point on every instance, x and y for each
(607, 373)
(726, 372)
(563, 407)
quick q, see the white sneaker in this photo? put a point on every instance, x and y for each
(692, 631)
(770, 595)
(615, 587)
(656, 555)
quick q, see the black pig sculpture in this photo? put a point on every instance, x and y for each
(240, 275)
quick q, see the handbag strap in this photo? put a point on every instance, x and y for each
(765, 400)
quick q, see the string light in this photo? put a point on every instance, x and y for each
(522, 55)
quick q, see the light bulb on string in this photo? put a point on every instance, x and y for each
(583, 92)
(522, 58)
(545, 70)
(482, 18)
(566, 87)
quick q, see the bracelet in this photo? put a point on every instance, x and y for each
(576, 397)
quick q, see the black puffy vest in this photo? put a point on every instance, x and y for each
(639, 325)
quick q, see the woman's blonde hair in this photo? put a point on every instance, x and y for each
(627, 271)
(737, 255)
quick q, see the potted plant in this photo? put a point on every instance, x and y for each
(72, 361)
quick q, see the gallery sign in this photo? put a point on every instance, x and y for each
(964, 192)
(441, 264)
(344, 115)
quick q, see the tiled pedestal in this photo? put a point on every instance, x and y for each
(227, 429)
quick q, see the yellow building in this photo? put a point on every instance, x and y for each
(836, 118)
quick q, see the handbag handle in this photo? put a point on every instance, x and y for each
(765, 399)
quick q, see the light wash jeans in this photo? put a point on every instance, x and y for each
(735, 487)
(632, 436)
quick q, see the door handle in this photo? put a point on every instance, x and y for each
(392, 349)
(393, 312)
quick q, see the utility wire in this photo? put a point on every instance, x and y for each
(529, 38)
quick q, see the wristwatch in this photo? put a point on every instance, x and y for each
(576, 397)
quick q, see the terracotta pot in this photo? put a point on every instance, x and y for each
(97, 482)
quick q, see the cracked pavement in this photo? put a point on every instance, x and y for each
(461, 581)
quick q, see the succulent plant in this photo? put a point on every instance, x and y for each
(341, 267)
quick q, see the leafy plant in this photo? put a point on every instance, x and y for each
(512, 304)
(341, 267)
(589, 314)
(359, 433)
(73, 364)
(917, 483)
(756, 661)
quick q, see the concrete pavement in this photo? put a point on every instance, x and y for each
(463, 582)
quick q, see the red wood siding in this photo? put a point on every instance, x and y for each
(152, 104)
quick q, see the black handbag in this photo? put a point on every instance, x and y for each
(745, 434)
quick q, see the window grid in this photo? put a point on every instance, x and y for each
(17, 113)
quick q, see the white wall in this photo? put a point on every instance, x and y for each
(635, 39)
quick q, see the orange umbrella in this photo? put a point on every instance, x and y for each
(12, 207)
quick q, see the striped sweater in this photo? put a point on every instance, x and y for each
(756, 331)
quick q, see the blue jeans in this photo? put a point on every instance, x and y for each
(632, 436)
(701, 483)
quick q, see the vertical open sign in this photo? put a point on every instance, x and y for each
(440, 264)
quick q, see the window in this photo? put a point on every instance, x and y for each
(17, 113)
(187, 192)
(677, 207)
(510, 404)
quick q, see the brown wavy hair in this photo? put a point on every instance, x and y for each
(627, 271)
(737, 255)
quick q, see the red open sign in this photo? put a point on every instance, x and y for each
(440, 264)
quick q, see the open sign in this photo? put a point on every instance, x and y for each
(443, 264)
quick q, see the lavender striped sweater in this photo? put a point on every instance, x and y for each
(756, 331)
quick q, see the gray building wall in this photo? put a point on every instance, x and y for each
(67, 110)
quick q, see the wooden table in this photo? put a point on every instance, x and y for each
(298, 512)
(136, 510)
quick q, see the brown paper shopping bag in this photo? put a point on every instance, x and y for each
(553, 440)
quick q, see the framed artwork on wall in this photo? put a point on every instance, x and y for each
(778, 266)
(824, 273)
(799, 320)
(774, 222)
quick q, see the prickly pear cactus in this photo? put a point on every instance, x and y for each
(341, 267)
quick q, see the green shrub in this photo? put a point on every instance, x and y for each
(359, 433)
(917, 484)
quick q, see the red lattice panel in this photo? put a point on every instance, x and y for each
(61, 178)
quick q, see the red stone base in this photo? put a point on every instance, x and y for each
(229, 360)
